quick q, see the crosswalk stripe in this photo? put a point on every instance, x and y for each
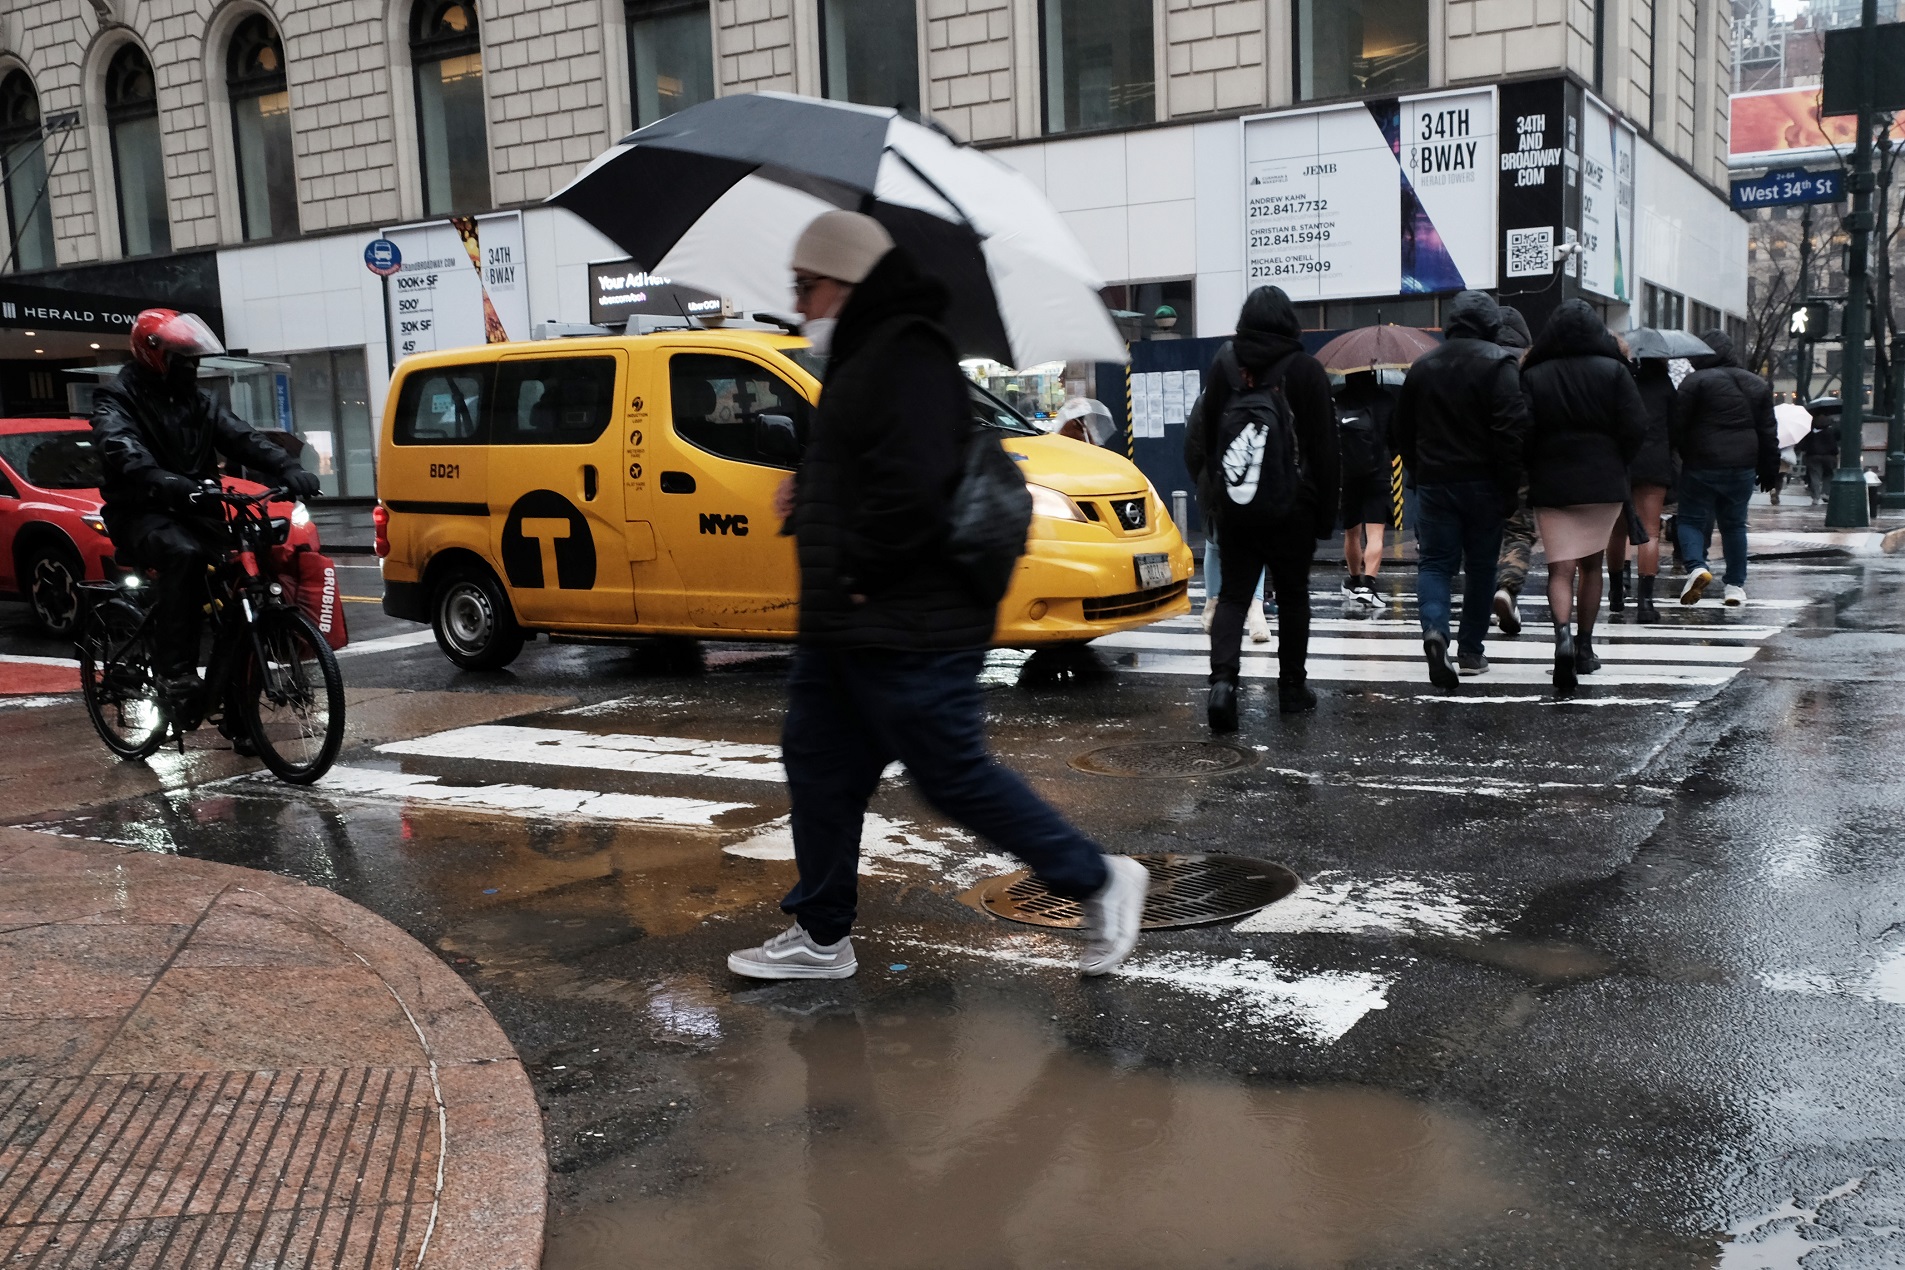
(1410, 647)
(1385, 670)
(610, 752)
(1607, 631)
(523, 800)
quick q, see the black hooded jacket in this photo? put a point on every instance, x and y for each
(1726, 414)
(1461, 416)
(1586, 419)
(156, 445)
(1269, 341)
(1655, 464)
(873, 497)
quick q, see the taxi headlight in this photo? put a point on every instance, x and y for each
(1049, 502)
(300, 515)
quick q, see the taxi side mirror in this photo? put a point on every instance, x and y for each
(776, 440)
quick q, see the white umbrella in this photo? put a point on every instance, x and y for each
(1794, 422)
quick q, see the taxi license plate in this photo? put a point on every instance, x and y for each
(1153, 570)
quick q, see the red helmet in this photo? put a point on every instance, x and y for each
(159, 335)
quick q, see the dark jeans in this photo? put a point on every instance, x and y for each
(1707, 494)
(1247, 550)
(179, 549)
(852, 711)
(1458, 527)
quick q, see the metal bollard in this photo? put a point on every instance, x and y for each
(1180, 508)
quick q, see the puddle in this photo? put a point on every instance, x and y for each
(937, 1137)
(1550, 960)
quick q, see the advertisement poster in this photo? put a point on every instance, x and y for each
(1533, 158)
(1607, 203)
(461, 282)
(1783, 126)
(1313, 227)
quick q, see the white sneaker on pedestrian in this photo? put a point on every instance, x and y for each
(1735, 596)
(1507, 612)
(793, 954)
(1257, 624)
(1210, 612)
(1695, 586)
(1112, 915)
(1368, 596)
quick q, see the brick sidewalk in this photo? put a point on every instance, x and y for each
(208, 1066)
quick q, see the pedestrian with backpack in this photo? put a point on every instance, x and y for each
(1224, 371)
(1268, 445)
(907, 529)
(1363, 410)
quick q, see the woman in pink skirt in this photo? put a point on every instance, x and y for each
(1585, 427)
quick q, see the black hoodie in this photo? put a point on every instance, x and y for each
(875, 484)
(1586, 418)
(1725, 415)
(1461, 416)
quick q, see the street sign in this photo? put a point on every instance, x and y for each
(1839, 94)
(1789, 186)
(1810, 321)
(382, 257)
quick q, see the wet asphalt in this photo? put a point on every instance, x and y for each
(1595, 985)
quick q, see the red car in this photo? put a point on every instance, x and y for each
(51, 536)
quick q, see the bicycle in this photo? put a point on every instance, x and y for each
(271, 670)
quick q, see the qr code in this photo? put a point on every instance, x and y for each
(1530, 251)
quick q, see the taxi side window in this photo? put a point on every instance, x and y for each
(442, 406)
(718, 400)
(553, 401)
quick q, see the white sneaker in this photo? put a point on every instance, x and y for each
(1210, 613)
(1256, 623)
(1369, 597)
(1695, 586)
(1735, 596)
(793, 954)
(1112, 915)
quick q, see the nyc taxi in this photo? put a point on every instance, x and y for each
(607, 487)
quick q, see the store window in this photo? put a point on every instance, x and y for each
(670, 57)
(330, 409)
(138, 158)
(452, 136)
(1662, 309)
(717, 403)
(1098, 64)
(1350, 48)
(23, 175)
(261, 130)
(869, 52)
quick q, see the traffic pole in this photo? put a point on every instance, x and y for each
(1846, 504)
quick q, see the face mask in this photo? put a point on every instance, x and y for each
(819, 333)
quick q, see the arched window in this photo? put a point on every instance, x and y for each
(23, 174)
(261, 130)
(451, 135)
(138, 162)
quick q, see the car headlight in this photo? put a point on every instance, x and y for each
(1049, 502)
(95, 524)
(300, 515)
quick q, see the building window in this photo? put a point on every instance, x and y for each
(1352, 48)
(452, 137)
(138, 160)
(261, 130)
(1098, 67)
(1702, 317)
(330, 407)
(1662, 309)
(670, 57)
(869, 52)
(23, 175)
(1153, 310)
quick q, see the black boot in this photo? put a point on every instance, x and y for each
(1644, 610)
(1585, 662)
(1222, 710)
(1617, 590)
(1294, 696)
(1564, 670)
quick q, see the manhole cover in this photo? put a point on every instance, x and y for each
(1163, 758)
(1186, 890)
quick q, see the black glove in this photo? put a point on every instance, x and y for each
(1768, 480)
(303, 482)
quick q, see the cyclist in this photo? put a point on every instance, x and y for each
(159, 436)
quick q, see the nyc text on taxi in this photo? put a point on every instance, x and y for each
(614, 486)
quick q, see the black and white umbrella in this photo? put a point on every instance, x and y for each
(1646, 341)
(715, 196)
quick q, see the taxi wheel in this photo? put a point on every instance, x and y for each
(53, 574)
(473, 623)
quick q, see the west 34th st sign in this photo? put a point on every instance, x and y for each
(1789, 186)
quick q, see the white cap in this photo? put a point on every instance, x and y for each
(842, 245)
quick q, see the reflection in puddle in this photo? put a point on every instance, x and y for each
(945, 1138)
(1541, 959)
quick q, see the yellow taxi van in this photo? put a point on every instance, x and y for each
(604, 487)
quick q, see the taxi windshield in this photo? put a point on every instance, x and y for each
(53, 460)
(987, 410)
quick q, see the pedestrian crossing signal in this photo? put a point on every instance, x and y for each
(1810, 321)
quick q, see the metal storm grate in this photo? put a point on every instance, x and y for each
(1163, 758)
(1186, 890)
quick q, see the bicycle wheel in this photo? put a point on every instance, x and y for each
(294, 702)
(117, 680)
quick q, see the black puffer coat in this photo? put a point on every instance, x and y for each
(1655, 465)
(1461, 416)
(1726, 414)
(156, 444)
(1586, 420)
(874, 490)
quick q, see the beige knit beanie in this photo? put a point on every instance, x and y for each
(843, 245)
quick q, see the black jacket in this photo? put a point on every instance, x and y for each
(1655, 464)
(1269, 342)
(1726, 414)
(156, 445)
(1585, 417)
(1461, 415)
(874, 490)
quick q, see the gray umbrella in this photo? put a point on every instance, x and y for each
(1646, 341)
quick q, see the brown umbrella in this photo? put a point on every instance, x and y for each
(1385, 347)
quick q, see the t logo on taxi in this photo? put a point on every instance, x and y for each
(546, 534)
